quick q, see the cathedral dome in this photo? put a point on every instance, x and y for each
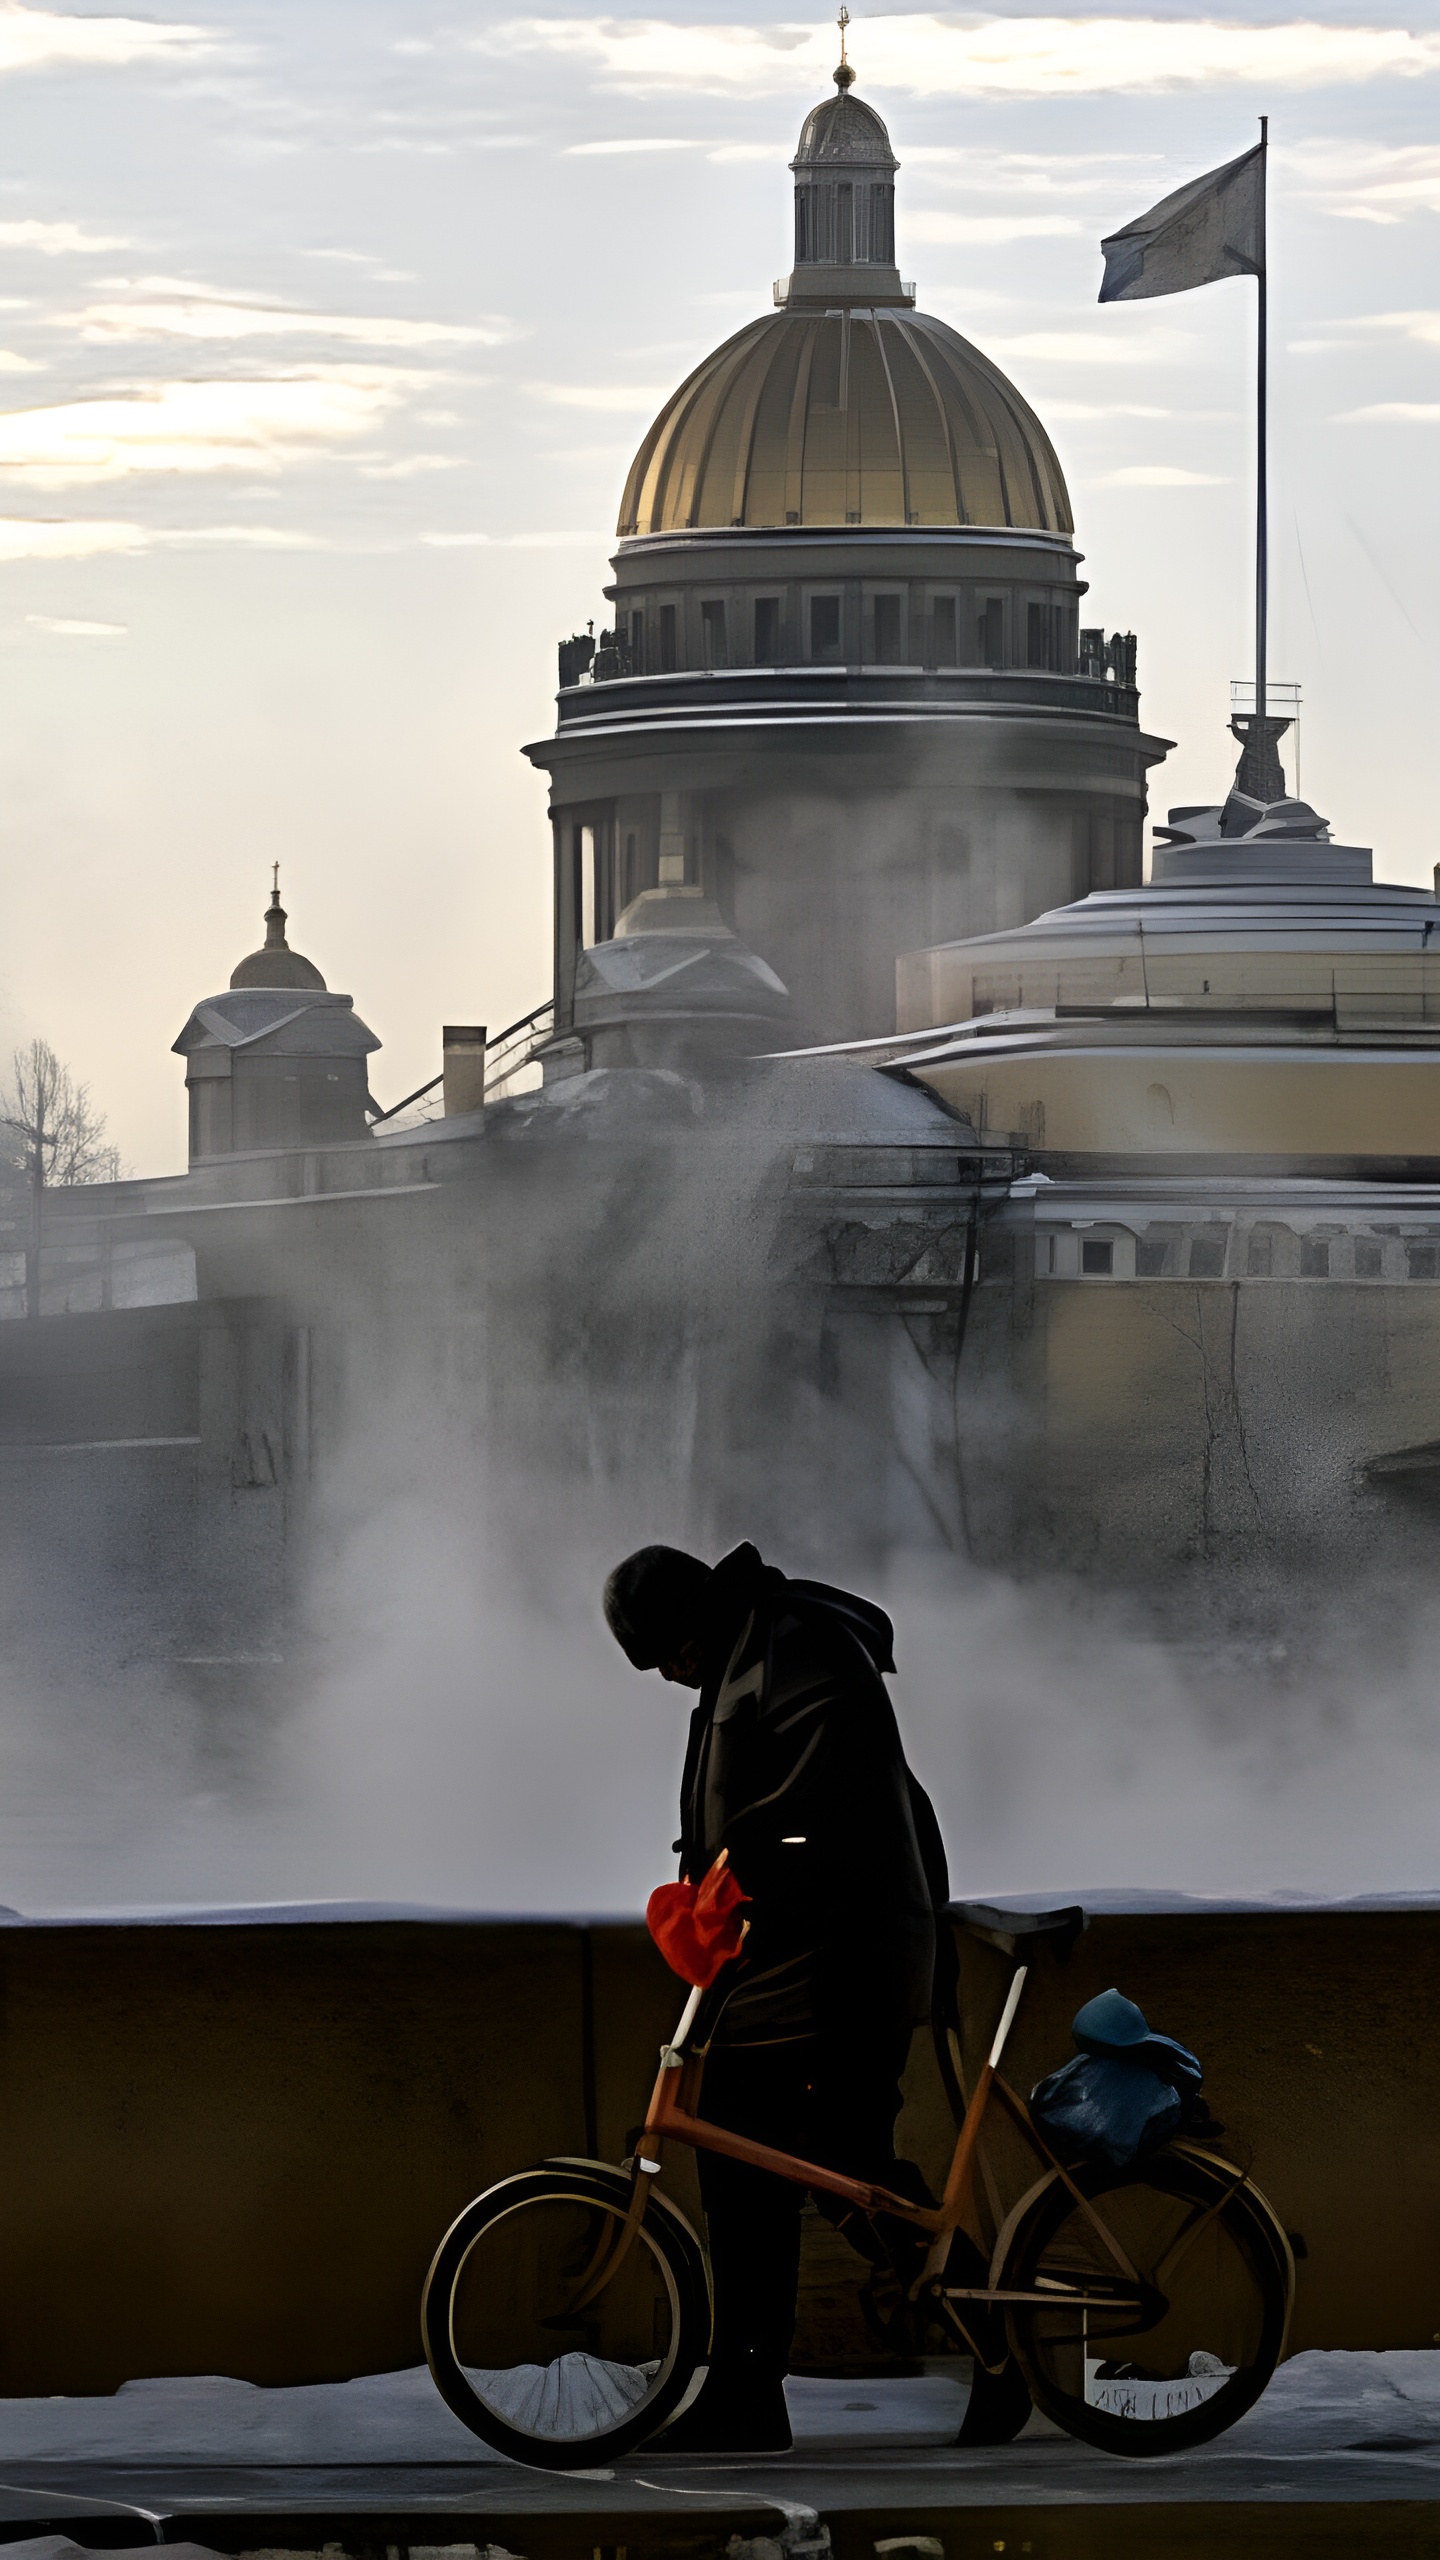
(869, 417)
(845, 406)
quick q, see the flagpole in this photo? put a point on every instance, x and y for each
(1262, 512)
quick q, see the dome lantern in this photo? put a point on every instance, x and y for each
(275, 964)
(844, 204)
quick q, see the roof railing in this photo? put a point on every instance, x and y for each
(506, 1056)
(783, 286)
(512, 1050)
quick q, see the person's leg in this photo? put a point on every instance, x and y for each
(853, 2100)
(753, 2224)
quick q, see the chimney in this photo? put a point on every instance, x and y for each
(464, 1058)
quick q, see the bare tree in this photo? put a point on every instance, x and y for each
(56, 1136)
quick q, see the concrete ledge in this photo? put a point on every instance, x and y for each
(230, 2140)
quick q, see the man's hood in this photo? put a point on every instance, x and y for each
(742, 1580)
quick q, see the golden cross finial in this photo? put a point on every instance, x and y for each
(842, 22)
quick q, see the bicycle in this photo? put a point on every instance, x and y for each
(566, 2314)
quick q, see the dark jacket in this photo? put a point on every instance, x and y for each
(795, 1766)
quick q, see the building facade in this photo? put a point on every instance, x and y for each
(908, 1176)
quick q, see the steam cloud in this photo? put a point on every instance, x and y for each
(455, 1726)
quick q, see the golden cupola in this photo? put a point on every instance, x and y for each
(877, 416)
(845, 406)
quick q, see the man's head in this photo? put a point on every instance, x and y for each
(655, 1607)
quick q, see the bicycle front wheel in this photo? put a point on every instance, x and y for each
(550, 2341)
(1172, 2285)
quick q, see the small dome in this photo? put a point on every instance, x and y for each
(871, 417)
(275, 964)
(675, 986)
(843, 128)
(673, 908)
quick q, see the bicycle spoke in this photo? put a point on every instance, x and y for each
(1190, 2231)
(610, 2253)
(562, 2319)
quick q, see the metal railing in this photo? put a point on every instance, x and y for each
(782, 284)
(1112, 660)
(506, 1056)
(510, 1052)
(1282, 702)
(613, 658)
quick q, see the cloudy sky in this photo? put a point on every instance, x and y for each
(326, 334)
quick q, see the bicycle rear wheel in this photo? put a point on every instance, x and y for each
(550, 2348)
(1171, 2353)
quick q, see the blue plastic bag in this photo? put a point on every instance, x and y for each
(1126, 2092)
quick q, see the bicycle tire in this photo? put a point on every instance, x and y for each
(1230, 2289)
(522, 2243)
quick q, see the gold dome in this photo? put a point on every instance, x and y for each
(866, 417)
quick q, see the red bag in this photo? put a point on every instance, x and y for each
(697, 1927)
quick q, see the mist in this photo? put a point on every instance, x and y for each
(607, 1344)
(453, 1746)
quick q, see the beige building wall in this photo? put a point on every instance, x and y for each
(1151, 1098)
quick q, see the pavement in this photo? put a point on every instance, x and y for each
(1342, 2454)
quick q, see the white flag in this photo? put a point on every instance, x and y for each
(1214, 227)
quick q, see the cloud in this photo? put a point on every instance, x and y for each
(199, 426)
(1421, 327)
(1409, 413)
(1365, 181)
(66, 538)
(1163, 475)
(988, 227)
(364, 258)
(1070, 173)
(578, 395)
(63, 630)
(57, 239)
(89, 537)
(997, 57)
(1075, 409)
(411, 465)
(767, 153)
(1080, 346)
(44, 39)
(18, 364)
(608, 150)
(249, 537)
(513, 541)
(163, 310)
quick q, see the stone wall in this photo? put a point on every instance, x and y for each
(231, 2146)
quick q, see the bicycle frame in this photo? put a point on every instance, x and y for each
(671, 2117)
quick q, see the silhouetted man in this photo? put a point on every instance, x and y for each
(795, 1767)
